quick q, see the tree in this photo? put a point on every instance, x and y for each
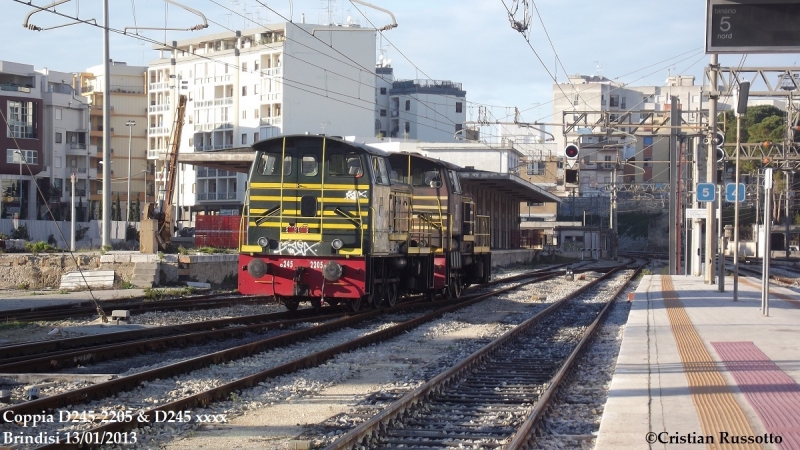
(138, 210)
(116, 212)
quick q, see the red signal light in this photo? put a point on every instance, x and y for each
(571, 150)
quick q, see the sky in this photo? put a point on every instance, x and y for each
(637, 42)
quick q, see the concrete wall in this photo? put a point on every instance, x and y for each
(44, 270)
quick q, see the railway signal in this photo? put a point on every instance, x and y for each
(571, 151)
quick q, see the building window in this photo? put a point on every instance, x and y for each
(459, 107)
(255, 137)
(255, 89)
(244, 91)
(58, 138)
(408, 105)
(535, 168)
(647, 162)
(244, 114)
(576, 100)
(255, 114)
(623, 103)
(383, 113)
(383, 91)
(58, 113)
(614, 103)
(603, 99)
(459, 127)
(244, 138)
(244, 67)
(408, 127)
(31, 156)
(21, 120)
(255, 65)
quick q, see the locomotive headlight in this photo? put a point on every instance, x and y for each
(332, 271)
(337, 244)
(257, 268)
(263, 242)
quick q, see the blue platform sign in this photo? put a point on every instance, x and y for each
(734, 194)
(705, 192)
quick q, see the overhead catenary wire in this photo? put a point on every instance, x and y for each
(366, 104)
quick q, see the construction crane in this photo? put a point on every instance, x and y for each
(157, 223)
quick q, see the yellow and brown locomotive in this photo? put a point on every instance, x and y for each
(339, 222)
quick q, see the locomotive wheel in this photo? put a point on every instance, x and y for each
(332, 301)
(354, 305)
(291, 305)
(390, 295)
(316, 303)
(430, 295)
(455, 289)
(376, 298)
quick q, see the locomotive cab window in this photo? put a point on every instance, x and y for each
(432, 179)
(268, 164)
(454, 181)
(347, 165)
(379, 169)
(310, 166)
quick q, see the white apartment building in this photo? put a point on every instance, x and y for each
(65, 145)
(285, 78)
(646, 154)
(423, 110)
(128, 105)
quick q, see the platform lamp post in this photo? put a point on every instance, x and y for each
(130, 124)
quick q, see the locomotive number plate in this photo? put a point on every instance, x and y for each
(289, 264)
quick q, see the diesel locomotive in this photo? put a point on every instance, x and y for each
(326, 220)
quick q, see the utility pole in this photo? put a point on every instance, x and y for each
(711, 172)
(674, 202)
(105, 235)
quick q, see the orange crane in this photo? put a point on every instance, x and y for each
(163, 225)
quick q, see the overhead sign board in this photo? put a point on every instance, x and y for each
(752, 26)
(734, 192)
(705, 192)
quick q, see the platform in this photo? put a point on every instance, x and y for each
(697, 370)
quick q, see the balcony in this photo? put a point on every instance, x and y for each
(156, 153)
(223, 79)
(158, 108)
(223, 101)
(77, 146)
(272, 72)
(204, 196)
(158, 86)
(158, 130)
(271, 97)
(15, 88)
(271, 120)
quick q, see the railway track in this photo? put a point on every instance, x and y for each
(127, 383)
(139, 305)
(495, 397)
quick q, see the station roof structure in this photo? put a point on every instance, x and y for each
(507, 183)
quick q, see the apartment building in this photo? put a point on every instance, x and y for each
(128, 109)
(241, 87)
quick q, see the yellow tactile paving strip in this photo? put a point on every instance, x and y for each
(716, 407)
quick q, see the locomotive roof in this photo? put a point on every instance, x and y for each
(446, 164)
(367, 149)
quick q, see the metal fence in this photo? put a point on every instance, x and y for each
(217, 231)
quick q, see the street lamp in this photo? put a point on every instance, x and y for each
(130, 124)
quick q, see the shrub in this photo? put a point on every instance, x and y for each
(39, 247)
(21, 233)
